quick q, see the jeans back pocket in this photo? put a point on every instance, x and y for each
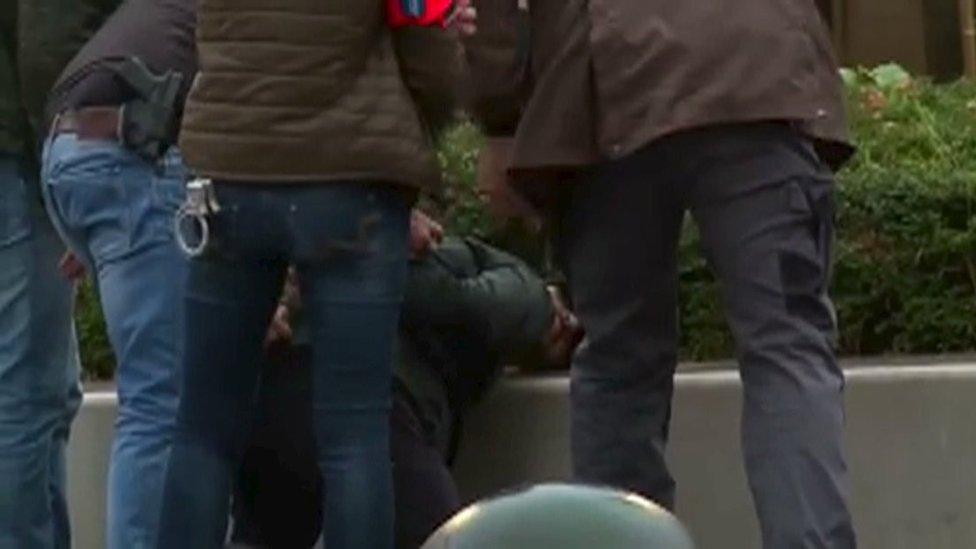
(87, 186)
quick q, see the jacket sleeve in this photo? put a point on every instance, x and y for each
(431, 62)
(12, 123)
(8, 47)
(505, 305)
(51, 34)
(8, 25)
(498, 65)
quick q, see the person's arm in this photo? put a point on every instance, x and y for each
(51, 32)
(497, 56)
(430, 64)
(8, 27)
(520, 310)
(498, 85)
(8, 52)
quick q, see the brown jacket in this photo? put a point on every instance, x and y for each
(606, 77)
(307, 91)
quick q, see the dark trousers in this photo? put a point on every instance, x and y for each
(762, 201)
(278, 494)
(348, 242)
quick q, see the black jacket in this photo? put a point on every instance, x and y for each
(467, 307)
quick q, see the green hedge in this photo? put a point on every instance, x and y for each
(905, 278)
(906, 273)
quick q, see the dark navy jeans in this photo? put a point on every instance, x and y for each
(349, 244)
(278, 491)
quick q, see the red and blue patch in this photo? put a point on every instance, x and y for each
(420, 13)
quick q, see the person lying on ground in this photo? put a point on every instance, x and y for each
(468, 308)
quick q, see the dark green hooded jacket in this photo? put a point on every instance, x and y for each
(467, 307)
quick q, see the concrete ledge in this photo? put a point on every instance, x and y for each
(910, 437)
(911, 441)
(88, 453)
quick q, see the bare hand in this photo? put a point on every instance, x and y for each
(280, 332)
(425, 234)
(465, 18)
(71, 267)
(565, 333)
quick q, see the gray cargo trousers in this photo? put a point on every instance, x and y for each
(763, 203)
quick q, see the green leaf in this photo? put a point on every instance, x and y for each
(890, 76)
(849, 76)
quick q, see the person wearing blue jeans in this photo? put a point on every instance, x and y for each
(39, 389)
(39, 367)
(115, 208)
(348, 242)
(314, 123)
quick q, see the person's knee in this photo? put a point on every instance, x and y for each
(150, 406)
(30, 420)
(622, 369)
(776, 345)
(792, 384)
(342, 437)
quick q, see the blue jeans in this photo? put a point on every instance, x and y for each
(116, 211)
(39, 391)
(349, 244)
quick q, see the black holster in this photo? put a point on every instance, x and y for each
(150, 121)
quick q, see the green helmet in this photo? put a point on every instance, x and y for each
(562, 517)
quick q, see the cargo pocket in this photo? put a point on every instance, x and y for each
(805, 259)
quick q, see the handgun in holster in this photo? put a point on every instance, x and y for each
(149, 122)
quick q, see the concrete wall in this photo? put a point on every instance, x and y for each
(922, 35)
(911, 440)
(91, 439)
